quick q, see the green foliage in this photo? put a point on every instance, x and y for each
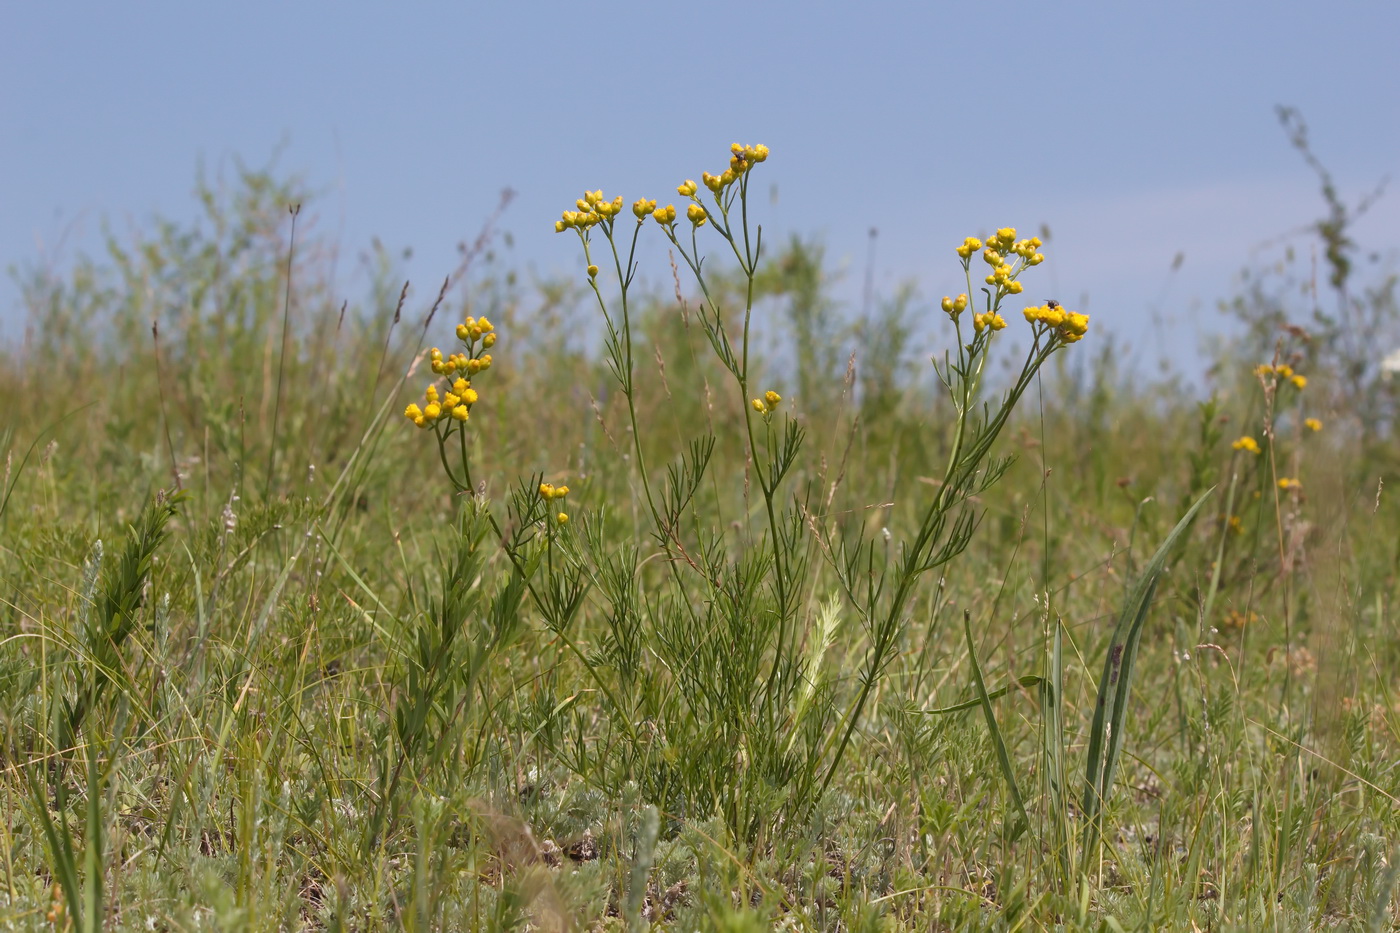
(723, 693)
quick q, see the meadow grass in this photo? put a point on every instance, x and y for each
(644, 627)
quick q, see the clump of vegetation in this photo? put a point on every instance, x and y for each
(667, 633)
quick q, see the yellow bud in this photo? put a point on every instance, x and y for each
(991, 257)
(461, 386)
(460, 413)
(759, 407)
(959, 303)
(433, 411)
(1015, 288)
(486, 359)
(489, 341)
(462, 330)
(1300, 381)
(547, 490)
(696, 213)
(642, 207)
(592, 272)
(562, 518)
(687, 188)
(759, 153)
(947, 304)
(561, 491)
(772, 398)
(412, 412)
(560, 226)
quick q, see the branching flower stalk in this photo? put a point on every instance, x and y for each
(943, 535)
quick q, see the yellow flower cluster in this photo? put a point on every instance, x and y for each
(998, 254)
(1246, 443)
(550, 492)
(741, 159)
(456, 401)
(954, 306)
(1290, 483)
(988, 319)
(768, 404)
(593, 209)
(665, 216)
(1283, 371)
(1070, 326)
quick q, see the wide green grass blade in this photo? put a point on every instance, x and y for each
(1111, 707)
(1003, 757)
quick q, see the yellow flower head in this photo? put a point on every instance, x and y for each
(546, 490)
(969, 246)
(1299, 380)
(697, 215)
(772, 398)
(1290, 483)
(1313, 424)
(642, 207)
(488, 341)
(713, 182)
(562, 518)
(1246, 443)
(461, 413)
(759, 406)
(665, 216)
(687, 188)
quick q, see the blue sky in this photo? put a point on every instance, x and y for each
(1133, 130)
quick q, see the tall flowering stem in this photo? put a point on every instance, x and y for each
(882, 595)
